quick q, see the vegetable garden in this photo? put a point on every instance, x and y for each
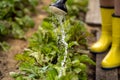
(41, 58)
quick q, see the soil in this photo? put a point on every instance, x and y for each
(7, 61)
(93, 30)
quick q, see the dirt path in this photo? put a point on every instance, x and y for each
(7, 62)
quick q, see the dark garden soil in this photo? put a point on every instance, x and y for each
(7, 62)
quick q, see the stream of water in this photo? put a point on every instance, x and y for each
(60, 18)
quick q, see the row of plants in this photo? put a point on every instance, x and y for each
(77, 6)
(42, 59)
(14, 19)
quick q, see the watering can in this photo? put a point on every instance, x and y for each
(59, 7)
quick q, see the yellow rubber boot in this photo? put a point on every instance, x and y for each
(106, 32)
(112, 59)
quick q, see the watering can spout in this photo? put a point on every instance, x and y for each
(59, 7)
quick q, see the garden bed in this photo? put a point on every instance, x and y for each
(7, 62)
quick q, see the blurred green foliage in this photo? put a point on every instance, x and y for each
(77, 6)
(14, 19)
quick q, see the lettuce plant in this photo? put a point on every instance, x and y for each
(42, 59)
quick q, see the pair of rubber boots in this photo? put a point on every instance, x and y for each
(110, 34)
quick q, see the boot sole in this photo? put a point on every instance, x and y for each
(110, 68)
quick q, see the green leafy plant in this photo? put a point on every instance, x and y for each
(77, 6)
(13, 16)
(14, 19)
(42, 60)
(5, 46)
